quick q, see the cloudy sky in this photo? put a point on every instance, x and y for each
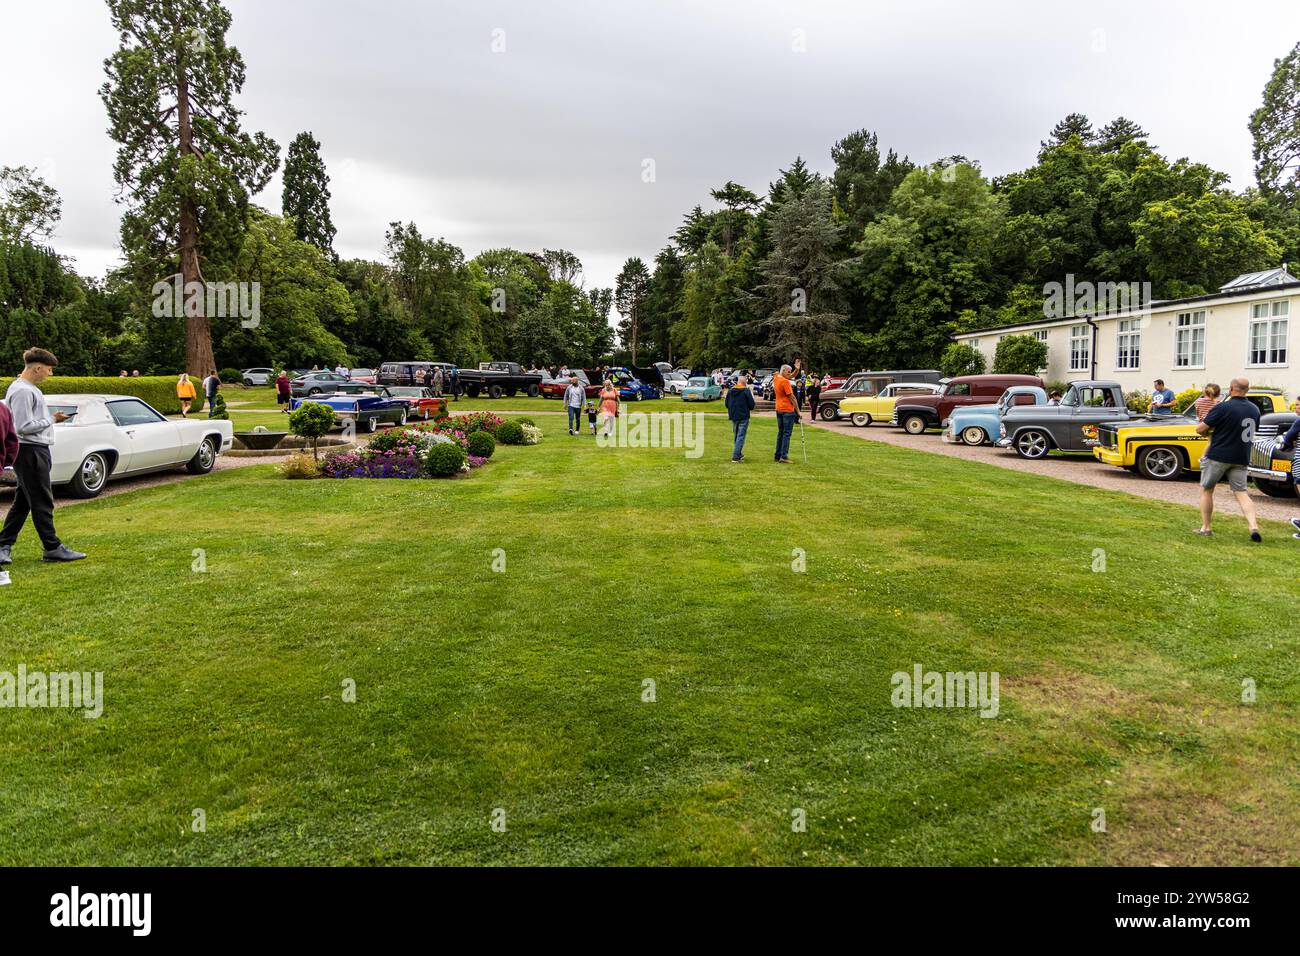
(529, 124)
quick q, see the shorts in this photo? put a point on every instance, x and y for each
(1213, 472)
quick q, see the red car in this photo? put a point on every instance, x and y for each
(420, 401)
(366, 375)
(556, 386)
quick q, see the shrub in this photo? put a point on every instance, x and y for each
(1138, 400)
(1184, 399)
(219, 408)
(310, 420)
(444, 459)
(481, 444)
(510, 433)
(962, 359)
(300, 466)
(532, 434)
(1020, 355)
(231, 376)
(158, 390)
(1061, 387)
(478, 422)
(525, 420)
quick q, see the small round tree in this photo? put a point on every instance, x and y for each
(962, 359)
(1020, 355)
(219, 408)
(311, 420)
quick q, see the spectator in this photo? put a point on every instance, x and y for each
(455, 383)
(135, 373)
(437, 382)
(786, 413)
(428, 379)
(1054, 398)
(1162, 399)
(740, 402)
(799, 389)
(1209, 398)
(123, 374)
(609, 405)
(574, 397)
(814, 396)
(35, 428)
(283, 390)
(8, 438)
(591, 416)
(1231, 427)
(211, 385)
(185, 392)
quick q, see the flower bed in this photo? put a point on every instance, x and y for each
(409, 452)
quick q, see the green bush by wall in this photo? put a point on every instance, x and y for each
(158, 390)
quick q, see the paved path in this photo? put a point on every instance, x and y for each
(1081, 469)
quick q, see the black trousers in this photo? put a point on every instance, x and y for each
(34, 497)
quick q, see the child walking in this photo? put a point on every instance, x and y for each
(591, 416)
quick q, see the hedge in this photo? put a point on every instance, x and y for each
(158, 390)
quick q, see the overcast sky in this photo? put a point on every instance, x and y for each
(544, 143)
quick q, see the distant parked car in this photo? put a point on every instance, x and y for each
(674, 382)
(868, 409)
(420, 401)
(701, 389)
(1033, 431)
(637, 384)
(111, 436)
(1273, 467)
(869, 384)
(364, 407)
(258, 376)
(588, 379)
(915, 413)
(367, 375)
(980, 424)
(316, 383)
(412, 373)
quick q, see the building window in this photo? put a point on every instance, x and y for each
(1268, 333)
(1128, 344)
(1080, 348)
(1040, 334)
(1189, 340)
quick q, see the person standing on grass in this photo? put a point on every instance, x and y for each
(609, 404)
(1231, 426)
(185, 392)
(574, 396)
(211, 385)
(35, 428)
(283, 391)
(786, 413)
(1209, 398)
(814, 396)
(1162, 399)
(740, 402)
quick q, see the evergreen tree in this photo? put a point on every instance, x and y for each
(1275, 127)
(306, 197)
(630, 290)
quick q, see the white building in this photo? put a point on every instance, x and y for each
(1244, 329)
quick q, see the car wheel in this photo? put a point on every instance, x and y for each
(1276, 489)
(472, 391)
(495, 391)
(401, 417)
(639, 396)
(829, 412)
(91, 477)
(204, 459)
(372, 425)
(249, 383)
(1032, 444)
(860, 419)
(1160, 463)
(533, 391)
(313, 391)
(972, 435)
(913, 424)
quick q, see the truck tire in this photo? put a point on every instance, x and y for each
(1276, 489)
(511, 392)
(973, 435)
(1032, 444)
(495, 391)
(860, 419)
(1160, 463)
(534, 391)
(471, 391)
(913, 424)
(829, 411)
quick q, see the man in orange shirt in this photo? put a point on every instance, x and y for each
(787, 413)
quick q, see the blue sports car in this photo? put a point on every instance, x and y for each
(632, 387)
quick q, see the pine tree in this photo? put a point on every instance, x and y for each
(306, 199)
(1275, 127)
(629, 293)
(1119, 132)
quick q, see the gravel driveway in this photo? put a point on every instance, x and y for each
(1081, 469)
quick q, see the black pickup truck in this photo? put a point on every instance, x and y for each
(495, 379)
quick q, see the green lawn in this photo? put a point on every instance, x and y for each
(522, 690)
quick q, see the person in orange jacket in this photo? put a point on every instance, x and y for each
(787, 413)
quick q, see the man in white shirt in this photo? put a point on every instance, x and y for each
(35, 427)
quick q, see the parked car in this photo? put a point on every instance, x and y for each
(412, 373)
(368, 375)
(364, 408)
(866, 409)
(916, 413)
(258, 376)
(674, 382)
(589, 379)
(107, 437)
(420, 401)
(1164, 447)
(1070, 426)
(980, 424)
(702, 388)
(316, 383)
(636, 384)
(868, 385)
(495, 379)
(1273, 468)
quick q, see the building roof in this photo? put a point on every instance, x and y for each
(1252, 280)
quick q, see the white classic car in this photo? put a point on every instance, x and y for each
(113, 436)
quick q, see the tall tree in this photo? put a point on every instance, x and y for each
(1075, 124)
(439, 289)
(29, 207)
(629, 293)
(306, 197)
(1275, 127)
(562, 265)
(184, 165)
(739, 203)
(663, 303)
(862, 183)
(1121, 130)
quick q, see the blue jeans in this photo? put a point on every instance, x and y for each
(739, 429)
(784, 429)
(575, 418)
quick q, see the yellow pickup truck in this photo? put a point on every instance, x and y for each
(1163, 447)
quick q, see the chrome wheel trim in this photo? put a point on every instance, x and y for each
(1032, 444)
(94, 472)
(207, 454)
(1162, 462)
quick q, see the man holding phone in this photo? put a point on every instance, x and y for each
(35, 427)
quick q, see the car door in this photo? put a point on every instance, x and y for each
(148, 439)
(1087, 411)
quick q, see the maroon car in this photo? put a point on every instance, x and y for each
(916, 413)
(554, 388)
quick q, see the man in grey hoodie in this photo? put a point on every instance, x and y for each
(574, 396)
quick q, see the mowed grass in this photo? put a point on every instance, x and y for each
(524, 691)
